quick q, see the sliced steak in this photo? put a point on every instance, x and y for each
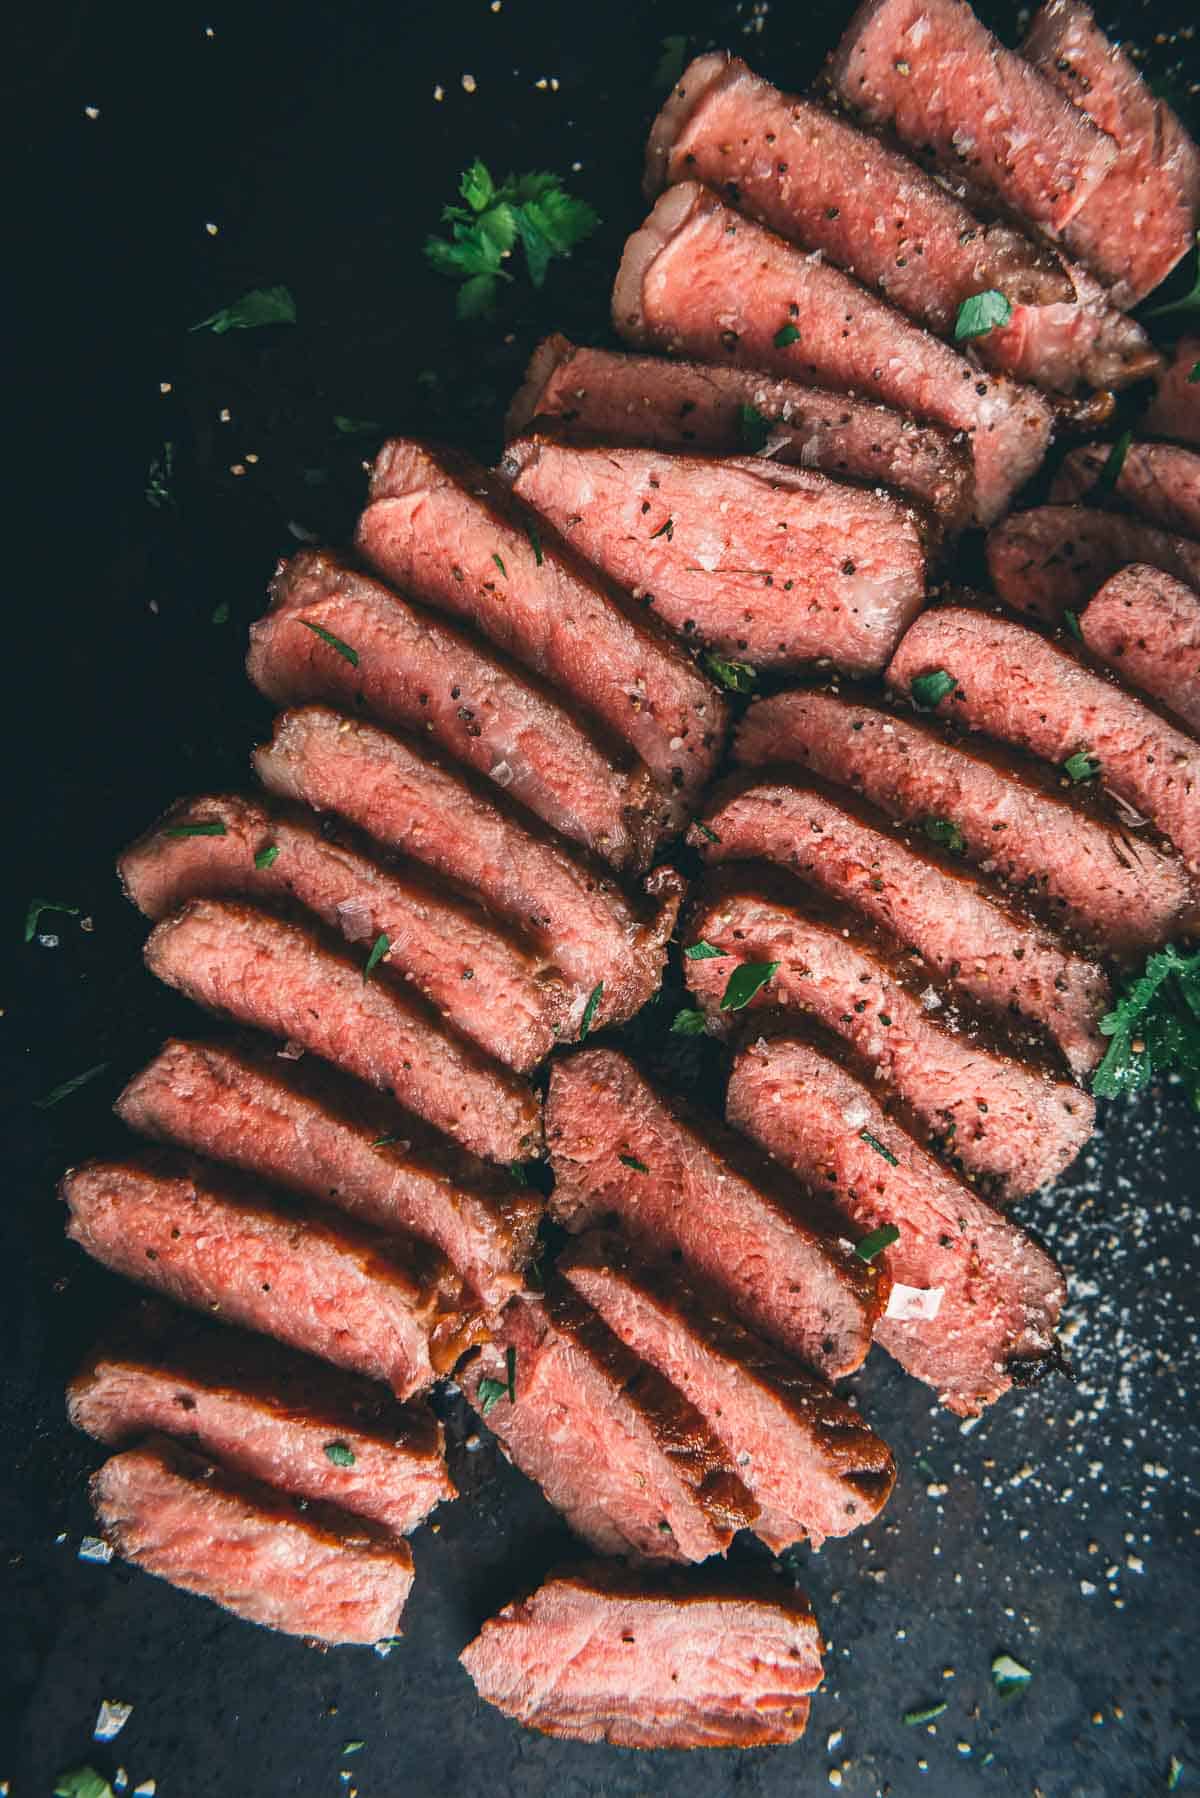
(1113, 888)
(686, 1187)
(380, 1305)
(1017, 686)
(495, 988)
(301, 1126)
(601, 1654)
(776, 565)
(626, 1458)
(312, 1572)
(415, 671)
(591, 396)
(410, 802)
(815, 178)
(1141, 220)
(1013, 1122)
(1159, 482)
(929, 903)
(806, 1457)
(1052, 559)
(442, 527)
(932, 73)
(1147, 628)
(285, 979)
(974, 1301)
(699, 280)
(310, 1431)
(1175, 409)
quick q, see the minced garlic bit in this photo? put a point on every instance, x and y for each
(469, 84)
(211, 228)
(439, 92)
(92, 112)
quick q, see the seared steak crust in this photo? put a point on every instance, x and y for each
(1158, 482)
(1147, 628)
(1052, 559)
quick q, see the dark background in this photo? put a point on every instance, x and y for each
(1061, 1529)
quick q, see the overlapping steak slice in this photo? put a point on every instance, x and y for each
(1052, 559)
(380, 1305)
(1110, 885)
(625, 1457)
(1003, 960)
(807, 1458)
(491, 985)
(292, 982)
(452, 534)
(312, 1572)
(815, 178)
(701, 281)
(974, 1300)
(413, 670)
(602, 1654)
(1012, 1121)
(266, 1412)
(410, 802)
(1175, 409)
(301, 1126)
(1141, 220)
(778, 565)
(588, 395)
(689, 1188)
(1159, 482)
(1017, 686)
(932, 73)
(1147, 628)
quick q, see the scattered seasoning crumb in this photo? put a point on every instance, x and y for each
(211, 228)
(439, 93)
(111, 1719)
(469, 84)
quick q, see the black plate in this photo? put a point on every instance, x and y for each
(1060, 1529)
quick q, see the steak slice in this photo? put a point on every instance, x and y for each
(640, 1660)
(929, 903)
(774, 564)
(1116, 890)
(380, 1305)
(1011, 1121)
(805, 1456)
(588, 396)
(1175, 409)
(686, 1187)
(279, 977)
(699, 280)
(1159, 482)
(933, 74)
(265, 1412)
(1052, 559)
(1147, 628)
(301, 1126)
(626, 1458)
(313, 1572)
(1058, 709)
(417, 672)
(441, 526)
(975, 1301)
(410, 802)
(498, 990)
(1141, 220)
(815, 178)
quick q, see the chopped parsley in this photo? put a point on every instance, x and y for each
(352, 1747)
(639, 1167)
(1110, 474)
(1081, 766)
(745, 981)
(946, 833)
(706, 831)
(702, 951)
(159, 476)
(535, 543)
(753, 430)
(688, 1022)
(498, 559)
(1071, 620)
(220, 614)
(1154, 1028)
(1188, 302)
(878, 1240)
(383, 1142)
(37, 907)
(354, 427)
(880, 1148)
(267, 857)
(379, 949)
(930, 689)
(590, 1009)
(517, 1174)
(1008, 1676)
(785, 335)
(739, 677)
(490, 1392)
(981, 313)
(203, 827)
(261, 306)
(340, 1453)
(666, 530)
(82, 1782)
(343, 649)
(532, 210)
(925, 1715)
(1193, 377)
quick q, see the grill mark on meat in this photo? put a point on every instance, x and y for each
(1146, 627)
(1053, 558)
(1157, 482)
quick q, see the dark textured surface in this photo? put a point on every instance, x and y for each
(310, 136)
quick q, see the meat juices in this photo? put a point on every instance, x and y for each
(1157, 482)
(1147, 628)
(1052, 559)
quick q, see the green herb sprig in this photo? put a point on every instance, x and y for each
(981, 313)
(261, 306)
(533, 210)
(746, 981)
(33, 915)
(1154, 1028)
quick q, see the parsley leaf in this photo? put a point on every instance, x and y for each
(352, 1747)
(533, 210)
(261, 306)
(928, 690)
(267, 857)
(945, 832)
(785, 335)
(82, 1782)
(753, 430)
(981, 313)
(498, 559)
(517, 1174)
(379, 949)
(1194, 376)
(590, 1009)
(159, 477)
(212, 827)
(706, 831)
(880, 1239)
(688, 1023)
(354, 427)
(873, 1142)
(739, 677)
(37, 907)
(702, 951)
(745, 981)
(1081, 766)
(1008, 1676)
(535, 543)
(1188, 302)
(343, 649)
(490, 1392)
(925, 1715)
(1154, 1028)
(1071, 620)
(1110, 474)
(340, 1453)
(69, 1086)
(639, 1167)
